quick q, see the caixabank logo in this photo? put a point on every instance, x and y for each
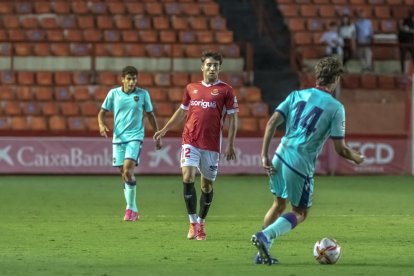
(5, 155)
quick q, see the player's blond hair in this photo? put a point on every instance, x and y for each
(327, 70)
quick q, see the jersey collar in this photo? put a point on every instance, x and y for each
(208, 85)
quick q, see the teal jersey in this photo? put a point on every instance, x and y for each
(311, 116)
(128, 112)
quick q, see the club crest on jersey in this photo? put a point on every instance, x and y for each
(136, 98)
(215, 92)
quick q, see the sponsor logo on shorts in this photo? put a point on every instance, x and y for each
(203, 104)
(114, 160)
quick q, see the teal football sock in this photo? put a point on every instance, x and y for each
(281, 226)
(131, 195)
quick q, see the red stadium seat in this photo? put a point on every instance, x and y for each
(218, 23)
(7, 77)
(168, 36)
(248, 124)
(19, 123)
(80, 7)
(175, 94)
(116, 7)
(92, 124)
(61, 7)
(62, 93)
(198, 23)
(4, 123)
(63, 78)
(259, 110)
(57, 123)
(38, 123)
(6, 8)
(25, 78)
(135, 7)
(54, 35)
(31, 108)
(60, 49)
(153, 8)
(89, 108)
(23, 49)
(50, 108)
(100, 93)
(29, 22)
(296, 24)
(164, 109)
(81, 93)
(308, 10)
(12, 108)
(148, 36)
(107, 78)
(224, 37)
(161, 22)
(24, 93)
(50, 22)
(11, 22)
(145, 79)
(180, 79)
(6, 93)
(382, 12)
(162, 79)
(289, 10)
(135, 50)
(104, 22)
(210, 9)
(190, 9)
(81, 78)
(142, 22)
(86, 22)
(123, 22)
(43, 93)
(205, 36)
(244, 110)
(179, 23)
(158, 94)
(172, 8)
(69, 108)
(98, 8)
(76, 123)
(129, 36)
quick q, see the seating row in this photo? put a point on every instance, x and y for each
(89, 124)
(229, 50)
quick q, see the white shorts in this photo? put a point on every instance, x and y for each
(205, 160)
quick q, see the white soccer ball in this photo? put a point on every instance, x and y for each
(327, 251)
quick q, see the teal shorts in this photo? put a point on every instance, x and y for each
(290, 184)
(129, 150)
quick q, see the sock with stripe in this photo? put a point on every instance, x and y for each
(130, 191)
(281, 226)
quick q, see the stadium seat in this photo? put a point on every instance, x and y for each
(158, 94)
(38, 123)
(6, 93)
(10, 22)
(23, 49)
(16, 35)
(198, 23)
(190, 9)
(31, 108)
(104, 22)
(248, 124)
(57, 123)
(179, 23)
(382, 12)
(69, 108)
(308, 10)
(251, 94)
(6, 8)
(107, 78)
(148, 36)
(73, 35)
(81, 93)
(135, 7)
(61, 7)
(23, 7)
(296, 24)
(85, 22)
(162, 79)
(100, 92)
(259, 110)
(142, 22)
(60, 49)
(76, 123)
(180, 79)
(164, 109)
(63, 78)
(91, 124)
(81, 78)
(369, 81)
(129, 36)
(387, 82)
(51, 22)
(29, 22)
(89, 108)
(98, 8)
(116, 7)
(172, 8)
(41, 49)
(223, 37)
(244, 110)
(175, 94)
(161, 22)
(262, 124)
(135, 50)
(50, 108)
(4, 123)
(43, 93)
(145, 79)
(5, 48)
(187, 36)
(25, 78)
(303, 38)
(123, 22)
(327, 11)
(210, 9)
(289, 10)
(12, 108)
(18, 123)
(7, 77)
(351, 81)
(54, 35)
(115, 35)
(167, 36)
(205, 36)
(153, 8)
(157, 50)
(62, 93)
(24, 93)
(218, 23)
(80, 7)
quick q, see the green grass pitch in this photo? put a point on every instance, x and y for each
(72, 225)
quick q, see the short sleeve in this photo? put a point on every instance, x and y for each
(338, 124)
(186, 99)
(147, 103)
(232, 106)
(108, 103)
(284, 107)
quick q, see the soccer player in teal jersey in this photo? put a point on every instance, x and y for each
(128, 104)
(311, 116)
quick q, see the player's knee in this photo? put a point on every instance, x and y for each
(128, 175)
(207, 188)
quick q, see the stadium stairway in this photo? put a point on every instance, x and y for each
(272, 71)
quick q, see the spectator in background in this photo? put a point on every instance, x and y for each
(347, 33)
(406, 38)
(332, 40)
(364, 39)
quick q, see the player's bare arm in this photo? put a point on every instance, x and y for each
(177, 118)
(274, 121)
(153, 122)
(346, 152)
(229, 152)
(103, 129)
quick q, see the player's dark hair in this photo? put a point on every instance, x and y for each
(211, 54)
(327, 70)
(129, 70)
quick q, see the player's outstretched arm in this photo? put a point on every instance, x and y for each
(177, 118)
(103, 129)
(346, 152)
(229, 152)
(271, 126)
(153, 122)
